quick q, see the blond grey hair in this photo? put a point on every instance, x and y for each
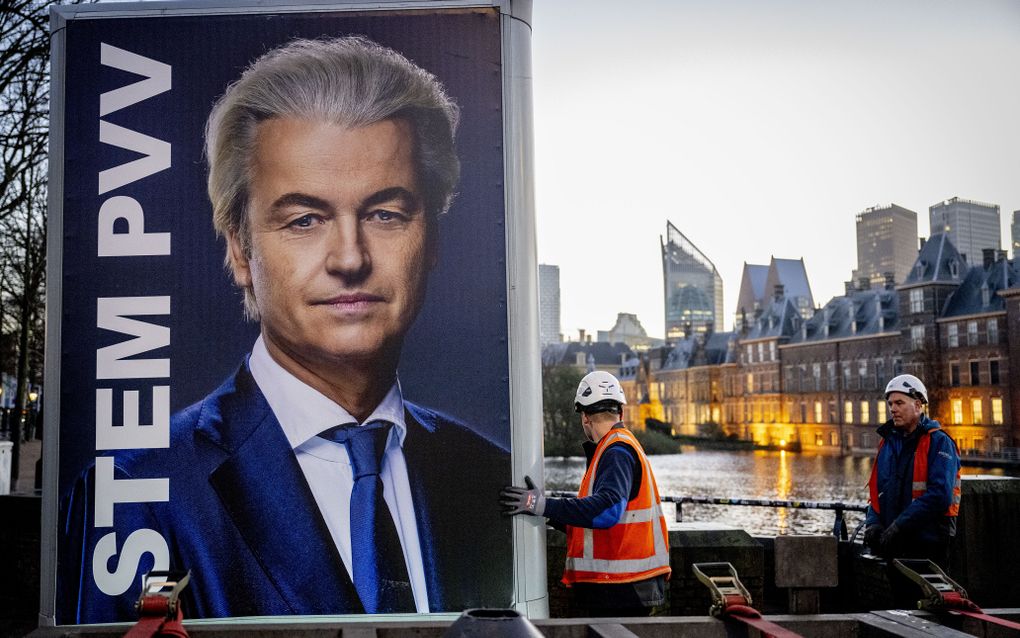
(349, 81)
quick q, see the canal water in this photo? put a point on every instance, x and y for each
(757, 474)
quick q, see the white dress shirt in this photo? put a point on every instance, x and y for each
(303, 413)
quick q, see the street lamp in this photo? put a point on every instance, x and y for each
(33, 395)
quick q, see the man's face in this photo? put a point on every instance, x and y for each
(340, 244)
(905, 411)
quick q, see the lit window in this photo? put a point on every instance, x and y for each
(956, 408)
(750, 382)
(917, 337)
(916, 300)
(976, 412)
(833, 438)
(953, 335)
(996, 411)
(880, 412)
(818, 411)
(865, 417)
(972, 333)
(848, 411)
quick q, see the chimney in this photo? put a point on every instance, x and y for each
(580, 336)
(848, 287)
(921, 247)
(987, 257)
(778, 293)
(588, 338)
(863, 283)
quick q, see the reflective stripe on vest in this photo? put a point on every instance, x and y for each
(639, 541)
(919, 481)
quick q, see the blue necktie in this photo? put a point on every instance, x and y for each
(380, 575)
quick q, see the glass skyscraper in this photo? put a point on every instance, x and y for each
(692, 287)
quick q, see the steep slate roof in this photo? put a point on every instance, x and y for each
(970, 298)
(752, 287)
(862, 312)
(938, 262)
(605, 354)
(779, 319)
(696, 350)
(792, 275)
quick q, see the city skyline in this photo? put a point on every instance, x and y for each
(760, 130)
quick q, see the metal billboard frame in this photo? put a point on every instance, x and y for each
(529, 577)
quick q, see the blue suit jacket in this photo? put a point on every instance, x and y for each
(242, 518)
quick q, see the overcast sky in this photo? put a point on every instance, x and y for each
(758, 128)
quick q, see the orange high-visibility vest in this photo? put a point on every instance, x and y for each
(637, 547)
(920, 480)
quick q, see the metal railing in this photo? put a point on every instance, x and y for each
(1002, 454)
(839, 528)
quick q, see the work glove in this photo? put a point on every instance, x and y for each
(522, 500)
(889, 539)
(873, 536)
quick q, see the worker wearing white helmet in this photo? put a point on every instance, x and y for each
(913, 504)
(613, 569)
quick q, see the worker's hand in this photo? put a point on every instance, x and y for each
(520, 500)
(873, 536)
(889, 539)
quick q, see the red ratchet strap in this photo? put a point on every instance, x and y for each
(751, 616)
(955, 603)
(159, 609)
(732, 601)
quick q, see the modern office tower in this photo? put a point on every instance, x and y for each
(549, 304)
(971, 226)
(1015, 233)
(886, 243)
(692, 287)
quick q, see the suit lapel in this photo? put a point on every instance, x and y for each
(264, 491)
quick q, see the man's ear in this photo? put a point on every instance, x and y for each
(239, 265)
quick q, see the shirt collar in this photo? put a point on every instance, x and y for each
(304, 412)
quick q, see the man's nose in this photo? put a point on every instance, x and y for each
(348, 255)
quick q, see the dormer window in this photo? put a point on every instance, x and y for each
(986, 294)
(919, 268)
(954, 269)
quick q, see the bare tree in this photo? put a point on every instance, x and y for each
(24, 123)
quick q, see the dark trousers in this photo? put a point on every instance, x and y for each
(625, 600)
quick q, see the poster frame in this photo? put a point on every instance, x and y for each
(529, 561)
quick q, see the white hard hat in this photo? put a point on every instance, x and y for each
(597, 387)
(909, 385)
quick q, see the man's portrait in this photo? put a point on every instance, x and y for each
(315, 475)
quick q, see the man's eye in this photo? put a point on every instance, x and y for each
(305, 221)
(386, 216)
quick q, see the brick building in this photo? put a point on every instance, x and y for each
(819, 381)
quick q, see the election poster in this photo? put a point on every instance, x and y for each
(279, 309)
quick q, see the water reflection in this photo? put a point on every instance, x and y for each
(777, 475)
